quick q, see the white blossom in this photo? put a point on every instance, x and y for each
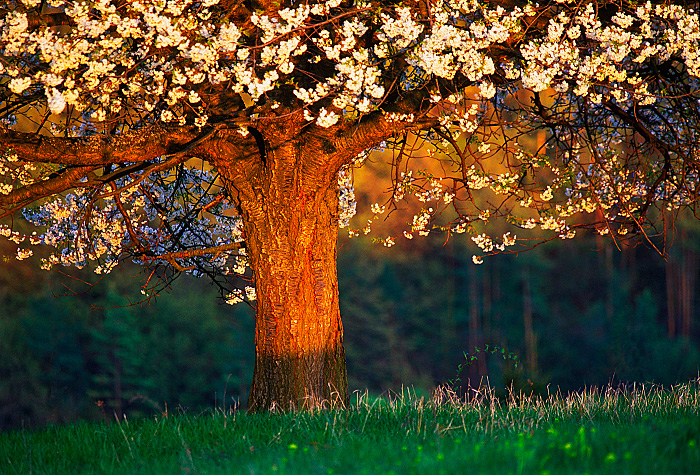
(19, 84)
(56, 101)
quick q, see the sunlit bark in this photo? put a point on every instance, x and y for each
(287, 197)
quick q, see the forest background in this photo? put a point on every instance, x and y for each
(560, 317)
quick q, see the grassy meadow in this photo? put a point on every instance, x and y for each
(625, 430)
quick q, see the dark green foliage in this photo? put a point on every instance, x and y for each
(598, 316)
(94, 355)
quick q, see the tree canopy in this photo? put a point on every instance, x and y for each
(210, 136)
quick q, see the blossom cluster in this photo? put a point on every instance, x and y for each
(147, 55)
(153, 56)
(152, 60)
(15, 173)
(237, 296)
(155, 222)
(615, 53)
(347, 206)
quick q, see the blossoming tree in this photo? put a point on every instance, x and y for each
(218, 137)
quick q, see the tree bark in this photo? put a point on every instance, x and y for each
(530, 335)
(290, 220)
(688, 273)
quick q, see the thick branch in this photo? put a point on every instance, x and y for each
(374, 129)
(48, 19)
(134, 146)
(27, 194)
(185, 253)
(75, 175)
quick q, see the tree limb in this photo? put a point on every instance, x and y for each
(131, 147)
(27, 194)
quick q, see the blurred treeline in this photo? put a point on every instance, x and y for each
(566, 314)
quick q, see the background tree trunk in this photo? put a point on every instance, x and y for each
(530, 335)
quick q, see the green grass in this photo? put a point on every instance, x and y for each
(619, 431)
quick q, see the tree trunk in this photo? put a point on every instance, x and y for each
(290, 220)
(688, 273)
(478, 371)
(671, 291)
(530, 335)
